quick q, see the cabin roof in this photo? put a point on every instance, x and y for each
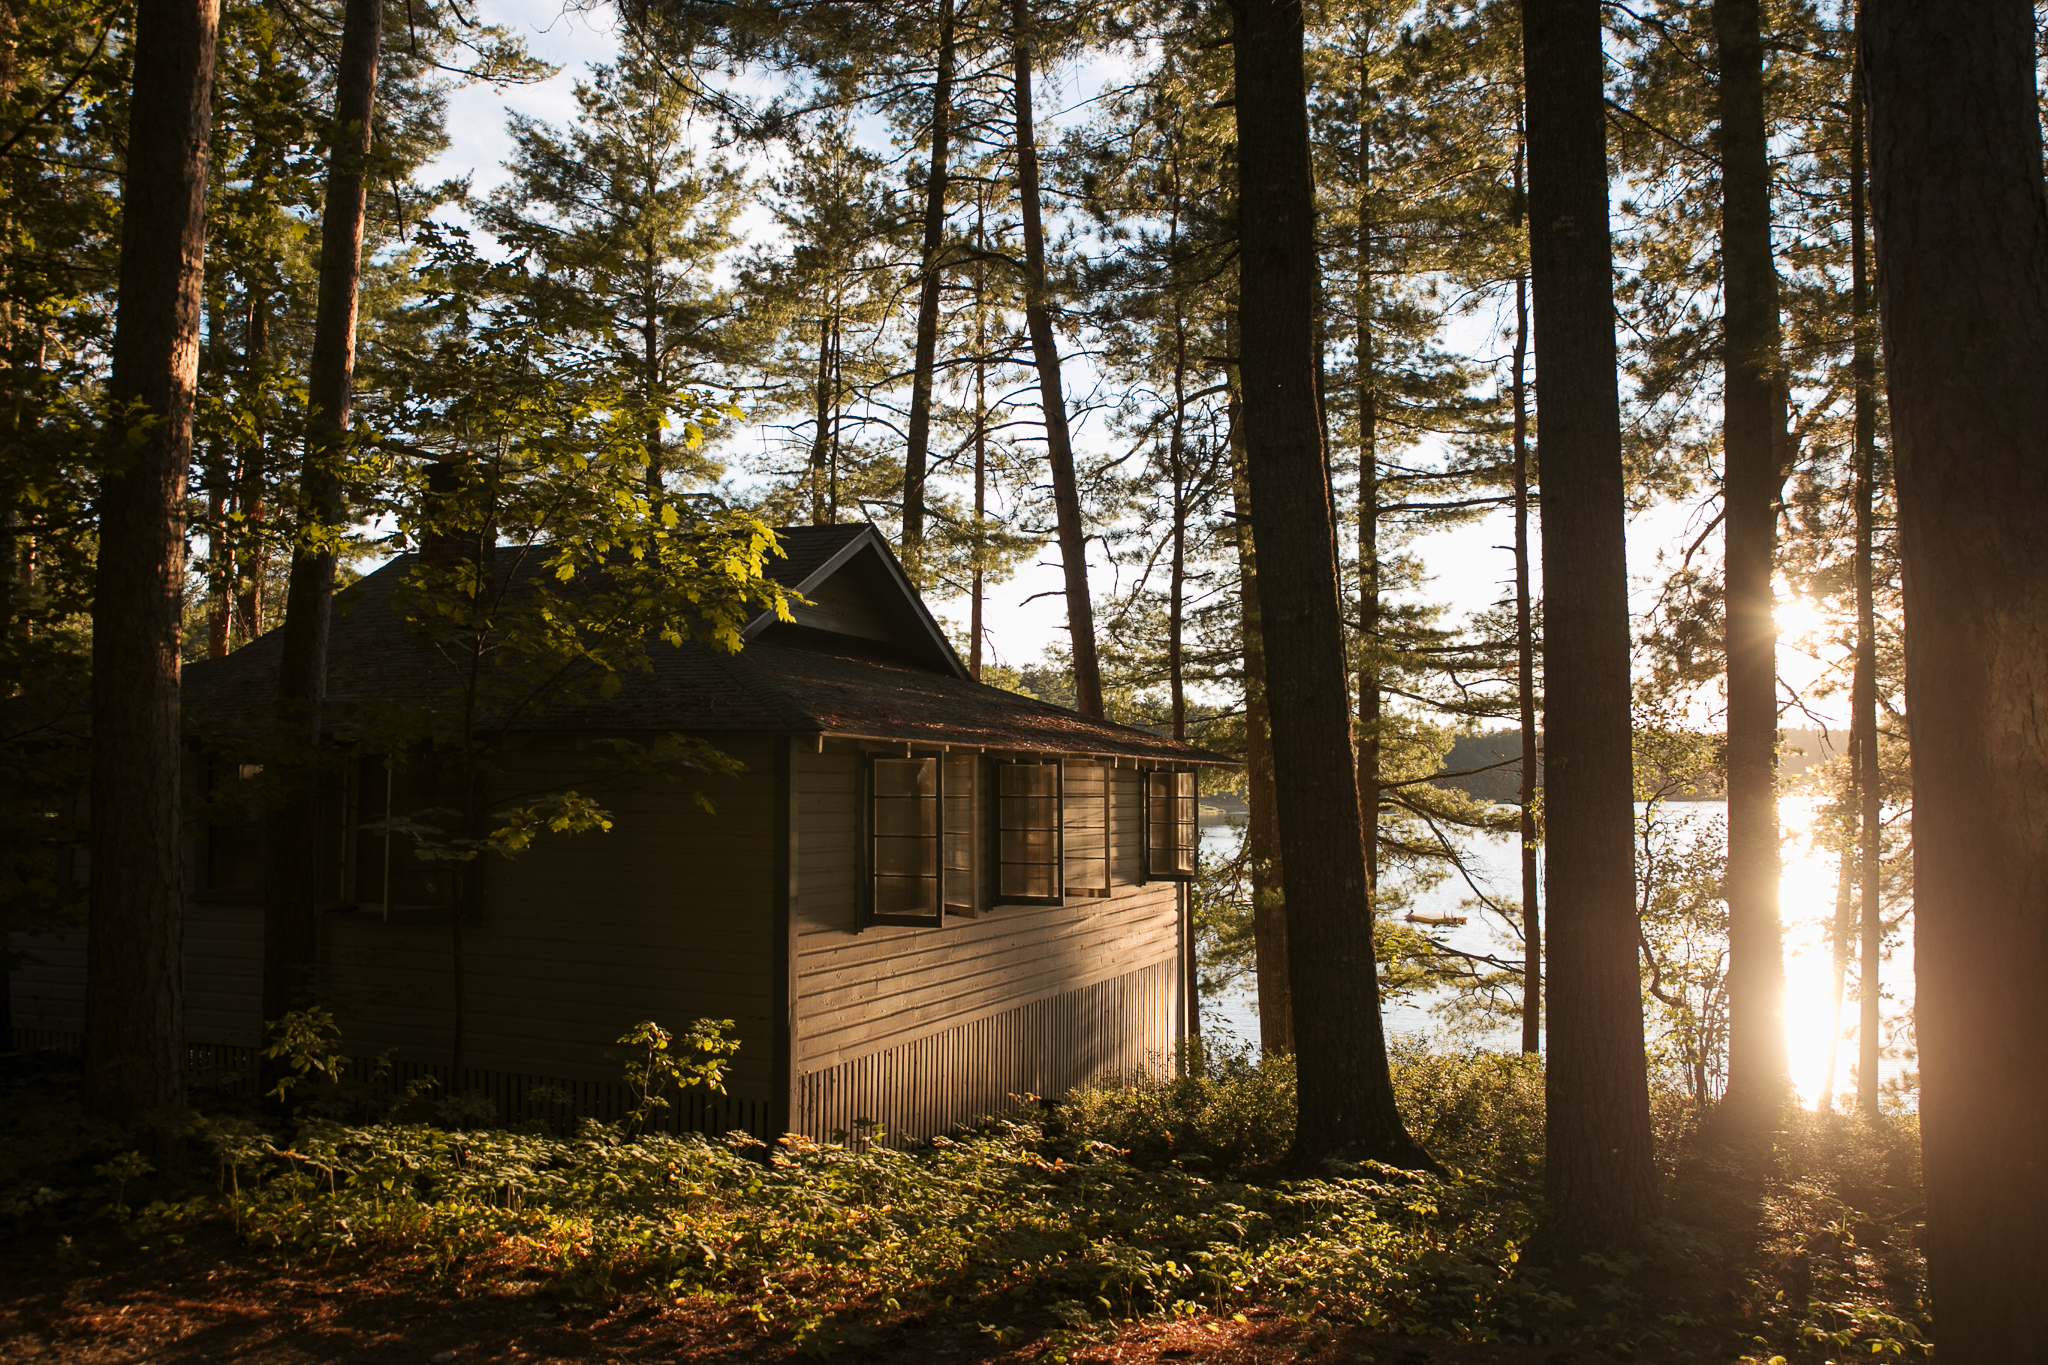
(870, 663)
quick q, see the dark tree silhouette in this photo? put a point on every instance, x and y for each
(1962, 282)
(1752, 427)
(1597, 1131)
(135, 1019)
(1346, 1096)
(289, 892)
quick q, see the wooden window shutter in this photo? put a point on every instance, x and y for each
(1169, 826)
(961, 851)
(1027, 844)
(1084, 824)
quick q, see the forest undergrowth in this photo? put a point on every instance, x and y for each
(1051, 1228)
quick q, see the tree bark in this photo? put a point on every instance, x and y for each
(1525, 684)
(253, 560)
(1059, 446)
(1598, 1173)
(1863, 684)
(1962, 282)
(1346, 1097)
(1262, 824)
(290, 938)
(135, 1026)
(1752, 422)
(1369, 699)
(924, 365)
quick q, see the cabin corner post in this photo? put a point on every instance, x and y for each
(782, 950)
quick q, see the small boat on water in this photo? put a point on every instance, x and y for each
(1433, 918)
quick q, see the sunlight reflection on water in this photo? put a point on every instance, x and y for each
(1806, 907)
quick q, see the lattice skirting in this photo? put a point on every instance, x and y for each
(1113, 1030)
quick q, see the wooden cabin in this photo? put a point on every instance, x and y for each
(921, 897)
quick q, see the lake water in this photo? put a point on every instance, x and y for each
(1806, 906)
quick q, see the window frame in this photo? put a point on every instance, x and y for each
(996, 862)
(1193, 826)
(868, 913)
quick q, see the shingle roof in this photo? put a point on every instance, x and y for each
(793, 680)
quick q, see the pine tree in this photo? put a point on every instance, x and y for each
(135, 1047)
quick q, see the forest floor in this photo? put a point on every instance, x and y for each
(216, 1299)
(1157, 1220)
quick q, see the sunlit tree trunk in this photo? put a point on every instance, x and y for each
(1597, 1173)
(1346, 1096)
(1525, 681)
(135, 1020)
(1059, 446)
(1863, 685)
(924, 364)
(1369, 699)
(1962, 283)
(1262, 823)
(1753, 419)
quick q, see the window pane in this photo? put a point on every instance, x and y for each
(1030, 812)
(906, 777)
(906, 896)
(1024, 880)
(906, 816)
(1029, 846)
(1029, 779)
(906, 857)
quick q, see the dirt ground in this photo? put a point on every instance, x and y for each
(216, 1301)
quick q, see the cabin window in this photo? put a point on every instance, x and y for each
(1169, 825)
(1028, 833)
(904, 839)
(389, 874)
(234, 834)
(1084, 826)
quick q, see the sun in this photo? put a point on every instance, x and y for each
(1799, 618)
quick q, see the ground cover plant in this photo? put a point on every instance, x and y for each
(1051, 1231)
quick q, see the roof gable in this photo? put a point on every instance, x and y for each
(857, 595)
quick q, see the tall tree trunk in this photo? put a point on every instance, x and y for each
(1863, 685)
(290, 888)
(930, 275)
(1752, 422)
(821, 433)
(252, 562)
(650, 369)
(1176, 608)
(1262, 824)
(135, 1018)
(1346, 1097)
(1369, 700)
(1962, 281)
(1838, 936)
(1525, 681)
(220, 550)
(980, 586)
(1059, 446)
(1598, 1172)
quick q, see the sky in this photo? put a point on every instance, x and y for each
(1470, 566)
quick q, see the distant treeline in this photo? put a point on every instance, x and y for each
(1489, 766)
